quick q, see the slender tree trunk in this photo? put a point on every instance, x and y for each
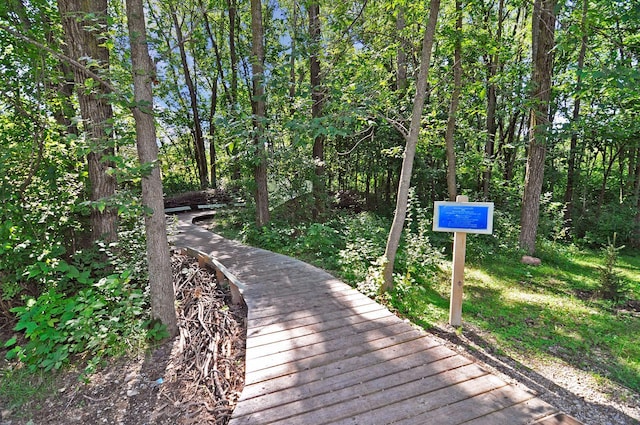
(259, 113)
(401, 72)
(509, 154)
(453, 107)
(198, 139)
(317, 102)
(571, 163)
(233, 58)
(492, 102)
(212, 133)
(79, 20)
(410, 149)
(292, 59)
(160, 276)
(544, 27)
(607, 167)
(216, 51)
(635, 238)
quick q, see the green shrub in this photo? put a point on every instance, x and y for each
(96, 320)
(611, 285)
(365, 235)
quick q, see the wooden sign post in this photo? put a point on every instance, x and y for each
(461, 217)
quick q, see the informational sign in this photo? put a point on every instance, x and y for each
(461, 217)
(466, 217)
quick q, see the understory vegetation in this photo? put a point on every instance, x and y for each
(559, 310)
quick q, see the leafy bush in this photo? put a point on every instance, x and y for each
(93, 305)
(94, 320)
(614, 218)
(365, 235)
(612, 286)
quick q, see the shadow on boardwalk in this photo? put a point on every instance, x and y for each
(319, 352)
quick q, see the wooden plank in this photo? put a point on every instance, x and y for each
(352, 343)
(392, 371)
(212, 206)
(521, 413)
(272, 324)
(470, 408)
(355, 404)
(558, 419)
(176, 209)
(316, 305)
(286, 286)
(341, 334)
(328, 357)
(402, 352)
(450, 390)
(319, 352)
(285, 334)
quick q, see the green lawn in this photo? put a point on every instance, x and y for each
(545, 311)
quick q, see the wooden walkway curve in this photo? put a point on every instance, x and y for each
(319, 352)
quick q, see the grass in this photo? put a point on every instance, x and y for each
(20, 387)
(545, 312)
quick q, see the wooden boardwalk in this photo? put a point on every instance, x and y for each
(319, 352)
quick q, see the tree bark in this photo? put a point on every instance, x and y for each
(198, 139)
(258, 103)
(539, 122)
(410, 149)
(453, 107)
(79, 20)
(635, 237)
(571, 163)
(292, 59)
(317, 102)
(160, 276)
(492, 103)
(401, 72)
(233, 58)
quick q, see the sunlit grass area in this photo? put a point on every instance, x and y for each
(546, 311)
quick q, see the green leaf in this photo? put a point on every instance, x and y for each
(10, 342)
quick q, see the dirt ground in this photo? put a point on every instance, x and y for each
(181, 381)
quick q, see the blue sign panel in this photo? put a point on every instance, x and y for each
(467, 217)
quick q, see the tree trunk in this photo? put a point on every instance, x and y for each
(635, 237)
(259, 114)
(160, 276)
(539, 122)
(401, 72)
(492, 102)
(212, 133)
(571, 163)
(453, 107)
(233, 58)
(198, 139)
(317, 102)
(79, 20)
(410, 149)
(292, 59)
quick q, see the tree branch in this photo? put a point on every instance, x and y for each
(61, 56)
